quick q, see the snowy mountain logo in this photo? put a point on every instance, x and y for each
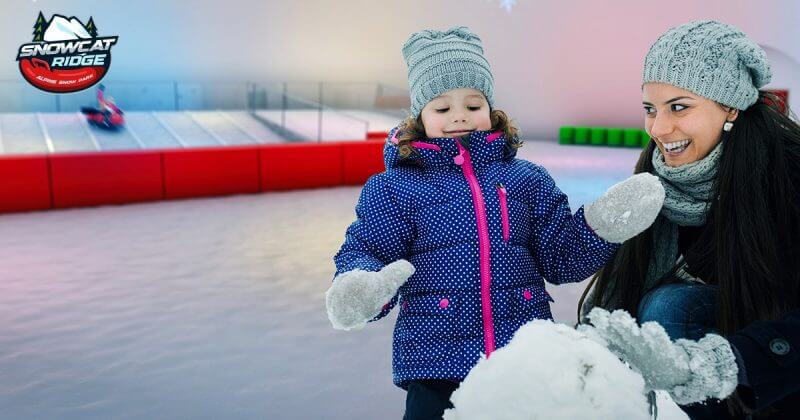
(65, 55)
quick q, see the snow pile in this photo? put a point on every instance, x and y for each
(550, 371)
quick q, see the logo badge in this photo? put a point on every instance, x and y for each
(65, 55)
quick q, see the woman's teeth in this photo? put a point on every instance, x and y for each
(677, 146)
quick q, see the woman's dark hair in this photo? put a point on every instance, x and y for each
(753, 226)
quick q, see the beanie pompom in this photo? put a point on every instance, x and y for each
(462, 32)
(755, 59)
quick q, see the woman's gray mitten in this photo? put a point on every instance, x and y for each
(691, 371)
(627, 208)
(714, 370)
(357, 296)
(647, 349)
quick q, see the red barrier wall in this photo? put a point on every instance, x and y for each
(24, 183)
(360, 160)
(210, 172)
(377, 135)
(93, 179)
(296, 166)
(98, 178)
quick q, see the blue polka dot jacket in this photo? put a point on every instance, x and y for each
(484, 230)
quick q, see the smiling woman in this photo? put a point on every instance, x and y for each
(684, 126)
(718, 268)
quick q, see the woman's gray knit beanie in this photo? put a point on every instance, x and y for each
(712, 59)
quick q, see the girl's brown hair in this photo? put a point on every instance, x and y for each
(411, 129)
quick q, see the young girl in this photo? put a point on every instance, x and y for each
(461, 234)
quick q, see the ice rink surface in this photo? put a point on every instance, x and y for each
(210, 308)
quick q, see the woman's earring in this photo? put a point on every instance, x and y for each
(727, 126)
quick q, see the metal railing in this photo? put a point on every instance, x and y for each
(303, 111)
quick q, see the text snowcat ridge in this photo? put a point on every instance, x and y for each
(65, 55)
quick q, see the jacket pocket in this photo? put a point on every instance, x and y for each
(532, 302)
(503, 196)
(517, 306)
(425, 330)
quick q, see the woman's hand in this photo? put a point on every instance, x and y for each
(691, 371)
(357, 296)
(627, 208)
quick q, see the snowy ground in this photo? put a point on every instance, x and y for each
(209, 308)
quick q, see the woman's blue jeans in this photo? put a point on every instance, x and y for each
(685, 310)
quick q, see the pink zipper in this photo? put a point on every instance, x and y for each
(501, 191)
(465, 162)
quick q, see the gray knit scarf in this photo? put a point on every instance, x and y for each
(689, 189)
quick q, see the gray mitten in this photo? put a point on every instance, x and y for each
(714, 370)
(627, 208)
(357, 296)
(691, 371)
(647, 349)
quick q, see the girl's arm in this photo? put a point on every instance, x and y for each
(566, 248)
(381, 234)
(572, 247)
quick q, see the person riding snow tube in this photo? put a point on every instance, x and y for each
(107, 115)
